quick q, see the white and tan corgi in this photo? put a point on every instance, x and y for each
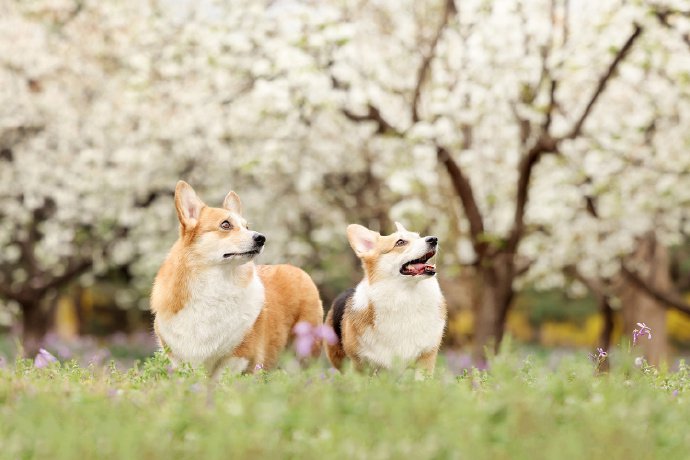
(212, 305)
(397, 313)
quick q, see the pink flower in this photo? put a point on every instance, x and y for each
(302, 328)
(308, 336)
(43, 359)
(303, 346)
(643, 330)
(98, 356)
(328, 334)
(601, 355)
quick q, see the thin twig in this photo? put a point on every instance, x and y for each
(667, 299)
(448, 11)
(603, 81)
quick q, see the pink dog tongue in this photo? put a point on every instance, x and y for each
(417, 269)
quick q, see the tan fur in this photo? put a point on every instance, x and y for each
(384, 245)
(290, 294)
(334, 351)
(353, 325)
(291, 297)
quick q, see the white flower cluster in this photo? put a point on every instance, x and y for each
(104, 105)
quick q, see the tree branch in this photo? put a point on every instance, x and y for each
(546, 127)
(662, 14)
(373, 115)
(522, 266)
(7, 293)
(665, 298)
(603, 81)
(545, 144)
(448, 11)
(463, 189)
(74, 268)
(598, 289)
(548, 144)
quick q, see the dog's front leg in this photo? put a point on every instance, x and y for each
(425, 364)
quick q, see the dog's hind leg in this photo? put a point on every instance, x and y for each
(335, 351)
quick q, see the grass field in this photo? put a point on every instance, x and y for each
(519, 409)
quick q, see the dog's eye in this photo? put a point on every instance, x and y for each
(226, 225)
(400, 243)
(246, 225)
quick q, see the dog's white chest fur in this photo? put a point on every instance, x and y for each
(215, 319)
(409, 320)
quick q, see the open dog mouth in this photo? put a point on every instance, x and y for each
(419, 266)
(253, 252)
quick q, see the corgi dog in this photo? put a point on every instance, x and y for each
(213, 306)
(397, 313)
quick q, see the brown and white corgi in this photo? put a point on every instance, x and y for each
(212, 305)
(397, 313)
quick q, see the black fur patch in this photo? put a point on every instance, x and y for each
(339, 309)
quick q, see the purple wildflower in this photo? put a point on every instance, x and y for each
(43, 359)
(458, 362)
(482, 365)
(302, 328)
(259, 367)
(60, 348)
(328, 334)
(119, 339)
(98, 356)
(195, 388)
(303, 345)
(329, 373)
(115, 392)
(675, 393)
(643, 330)
(308, 336)
(600, 356)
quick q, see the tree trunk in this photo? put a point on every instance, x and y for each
(491, 312)
(34, 326)
(651, 262)
(606, 330)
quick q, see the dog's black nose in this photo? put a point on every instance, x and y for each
(259, 239)
(432, 240)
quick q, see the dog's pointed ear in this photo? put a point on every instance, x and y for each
(361, 239)
(232, 203)
(188, 204)
(399, 227)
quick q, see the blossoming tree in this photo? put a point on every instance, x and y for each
(321, 115)
(488, 91)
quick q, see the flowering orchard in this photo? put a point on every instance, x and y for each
(542, 140)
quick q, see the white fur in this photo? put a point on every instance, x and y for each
(237, 365)
(215, 319)
(408, 319)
